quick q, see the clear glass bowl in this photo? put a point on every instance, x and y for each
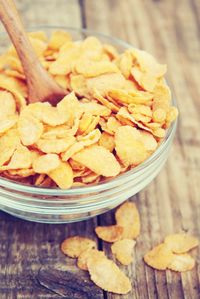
(63, 206)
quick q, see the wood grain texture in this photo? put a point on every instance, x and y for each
(169, 30)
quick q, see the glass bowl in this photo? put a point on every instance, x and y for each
(63, 206)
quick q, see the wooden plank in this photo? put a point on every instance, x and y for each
(27, 247)
(169, 30)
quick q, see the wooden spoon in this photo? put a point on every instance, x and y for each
(41, 86)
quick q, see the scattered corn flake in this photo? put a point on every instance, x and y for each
(107, 275)
(128, 217)
(181, 243)
(160, 257)
(123, 251)
(99, 160)
(130, 150)
(62, 175)
(82, 259)
(46, 163)
(74, 246)
(159, 115)
(30, 129)
(72, 150)
(181, 263)
(110, 233)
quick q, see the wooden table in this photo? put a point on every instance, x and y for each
(171, 203)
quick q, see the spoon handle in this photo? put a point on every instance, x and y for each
(38, 80)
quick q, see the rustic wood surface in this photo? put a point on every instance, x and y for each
(170, 30)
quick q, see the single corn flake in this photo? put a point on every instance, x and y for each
(58, 39)
(107, 275)
(127, 216)
(110, 233)
(8, 144)
(7, 123)
(160, 257)
(21, 158)
(83, 257)
(74, 246)
(55, 146)
(7, 104)
(99, 160)
(30, 129)
(46, 163)
(108, 141)
(123, 251)
(130, 150)
(95, 68)
(181, 243)
(181, 263)
(62, 175)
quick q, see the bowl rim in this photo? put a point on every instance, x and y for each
(105, 185)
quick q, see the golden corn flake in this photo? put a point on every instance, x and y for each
(128, 217)
(181, 243)
(107, 275)
(7, 104)
(116, 112)
(108, 141)
(46, 163)
(8, 144)
(130, 150)
(74, 246)
(21, 158)
(30, 129)
(7, 123)
(82, 259)
(55, 146)
(181, 263)
(110, 233)
(160, 257)
(123, 251)
(99, 160)
(95, 68)
(62, 175)
(58, 39)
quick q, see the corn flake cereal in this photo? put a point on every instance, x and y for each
(123, 251)
(107, 275)
(110, 233)
(160, 257)
(115, 115)
(181, 263)
(181, 243)
(128, 217)
(46, 163)
(92, 158)
(74, 246)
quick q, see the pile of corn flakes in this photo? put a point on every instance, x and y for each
(114, 117)
(105, 273)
